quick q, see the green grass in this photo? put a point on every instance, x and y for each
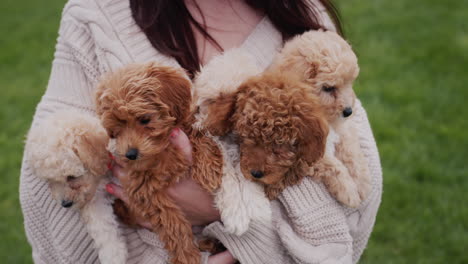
(29, 29)
(414, 58)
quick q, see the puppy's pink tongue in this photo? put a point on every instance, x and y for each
(111, 156)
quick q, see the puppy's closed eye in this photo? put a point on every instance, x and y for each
(328, 89)
(71, 178)
(145, 120)
(73, 182)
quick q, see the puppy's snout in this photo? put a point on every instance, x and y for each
(257, 174)
(347, 111)
(132, 154)
(67, 203)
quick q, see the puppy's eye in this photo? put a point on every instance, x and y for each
(145, 121)
(71, 178)
(328, 89)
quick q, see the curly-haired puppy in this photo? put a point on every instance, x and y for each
(280, 127)
(328, 65)
(240, 201)
(139, 106)
(69, 151)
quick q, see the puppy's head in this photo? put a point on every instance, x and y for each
(326, 62)
(139, 106)
(69, 151)
(280, 127)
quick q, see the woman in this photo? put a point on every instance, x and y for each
(98, 36)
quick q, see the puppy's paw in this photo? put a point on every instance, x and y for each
(236, 225)
(234, 214)
(258, 205)
(364, 188)
(115, 253)
(260, 210)
(344, 188)
(349, 197)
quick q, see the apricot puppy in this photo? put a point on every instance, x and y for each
(139, 106)
(326, 63)
(280, 127)
(68, 150)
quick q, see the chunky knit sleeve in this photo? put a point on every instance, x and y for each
(308, 226)
(56, 234)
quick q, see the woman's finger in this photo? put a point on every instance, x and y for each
(117, 191)
(224, 257)
(118, 171)
(180, 139)
(145, 224)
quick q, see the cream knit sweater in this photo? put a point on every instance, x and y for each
(309, 226)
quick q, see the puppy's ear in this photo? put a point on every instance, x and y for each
(91, 149)
(99, 95)
(311, 70)
(308, 69)
(297, 65)
(175, 92)
(219, 114)
(314, 132)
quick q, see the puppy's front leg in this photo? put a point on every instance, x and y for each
(103, 227)
(349, 152)
(331, 172)
(174, 230)
(148, 197)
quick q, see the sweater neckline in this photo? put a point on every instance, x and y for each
(262, 43)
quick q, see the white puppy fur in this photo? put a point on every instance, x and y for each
(68, 150)
(238, 199)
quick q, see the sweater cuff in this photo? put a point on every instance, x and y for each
(260, 244)
(305, 197)
(314, 214)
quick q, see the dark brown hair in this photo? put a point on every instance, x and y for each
(167, 24)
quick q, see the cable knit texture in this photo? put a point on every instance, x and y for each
(97, 36)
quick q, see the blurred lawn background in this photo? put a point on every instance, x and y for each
(414, 70)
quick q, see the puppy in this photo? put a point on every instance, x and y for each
(240, 201)
(326, 63)
(281, 129)
(139, 106)
(68, 150)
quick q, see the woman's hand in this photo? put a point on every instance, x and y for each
(195, 202)
(224, 257)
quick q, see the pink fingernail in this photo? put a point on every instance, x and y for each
(174, 132)
(109, 188)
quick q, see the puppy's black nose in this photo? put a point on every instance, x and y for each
(132, 154)
(67, 203)
(347, 111)
(256, 174)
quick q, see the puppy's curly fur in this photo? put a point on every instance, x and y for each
(281, 129)
(68, 150)
(328, 65)
(139, 106)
